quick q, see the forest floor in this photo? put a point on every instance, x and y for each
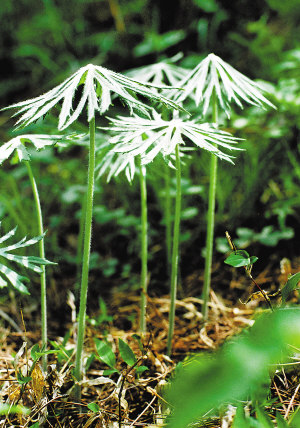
(125, 398)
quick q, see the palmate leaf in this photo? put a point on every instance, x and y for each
(161, 73)
(18, 144)
(7, 275)
(113, 164)
(215, 75)
(99, 84)
(147, 138)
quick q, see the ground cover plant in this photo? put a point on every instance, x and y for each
(118, 377)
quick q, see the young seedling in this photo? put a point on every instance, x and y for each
(240, 258)
(107, 356)
(97, 84)
(214, 83)
(17, 146)
(147, 138)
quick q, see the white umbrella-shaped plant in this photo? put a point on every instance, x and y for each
(147, 138)
(97, 86)
(213, 84)
(17, 146)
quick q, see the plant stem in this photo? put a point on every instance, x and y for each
(42, 255)
(80, 245)
(85, 260)
(144, 247)
(175, 252)
(210, 221)
(168, 221)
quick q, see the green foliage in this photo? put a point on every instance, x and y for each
(236, 370)
(7, 409)
(240, 258)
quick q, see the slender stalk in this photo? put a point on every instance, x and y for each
(42, 255)
(210, 221)
(168, 221)
(144, 248)
(80, 245)
(175, 252)
(85, 260)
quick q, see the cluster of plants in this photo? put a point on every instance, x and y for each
(162, 133)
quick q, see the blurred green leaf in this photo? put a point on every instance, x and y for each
(235, 370)
(290, 286)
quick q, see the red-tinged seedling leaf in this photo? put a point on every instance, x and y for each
(105, 353)
(126, 353)
(290, 286)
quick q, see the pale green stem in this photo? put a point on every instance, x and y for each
(168, 221)
(210, 222)
(175, 252)
(85, 261)
(144, 248)
(42, 255)
(80, 245)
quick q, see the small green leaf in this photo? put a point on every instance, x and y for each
(239, 258)
(93, 407)
(137, 337)
(126, 353)
(253, 259)
(23, 379)
(141, 369)
(290, 286)
(35, 350)
(105, 353)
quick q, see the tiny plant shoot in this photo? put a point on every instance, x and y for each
(17, 146)
(214, 83)
(98, 84)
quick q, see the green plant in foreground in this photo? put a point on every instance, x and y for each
(18, 145)
(235, 372)
(98, 85)
(213, 83)
(148, 138)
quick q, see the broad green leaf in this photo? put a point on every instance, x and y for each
(105, 353)
(234, 371)
(281, 422)
(126, 353)
(294, 420)
(7, 409)
(93, 407)
(263, 418)
(240, 420)
(290, 286)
